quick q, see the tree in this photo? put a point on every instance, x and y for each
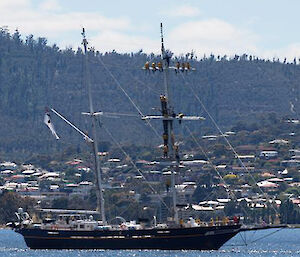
(60, 203)
(10, 202)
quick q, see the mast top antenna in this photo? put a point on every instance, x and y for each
(162, 39)
(84, 40)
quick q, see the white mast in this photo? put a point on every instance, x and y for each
(93, 115)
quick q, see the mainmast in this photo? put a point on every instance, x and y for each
(93, 115)
(168, 111)
(170, 148)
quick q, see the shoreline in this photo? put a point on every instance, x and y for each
(5, 227)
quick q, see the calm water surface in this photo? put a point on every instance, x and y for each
(284, 242)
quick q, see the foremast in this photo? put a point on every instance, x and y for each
(93, 115)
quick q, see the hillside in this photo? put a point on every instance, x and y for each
(34, 75)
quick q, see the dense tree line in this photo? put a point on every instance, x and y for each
(34, 74)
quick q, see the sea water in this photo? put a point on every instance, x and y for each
(272, 242)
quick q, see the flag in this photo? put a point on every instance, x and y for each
(47, 121)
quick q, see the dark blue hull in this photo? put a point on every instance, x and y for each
(199, 238)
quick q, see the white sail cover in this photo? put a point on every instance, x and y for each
(49, 124)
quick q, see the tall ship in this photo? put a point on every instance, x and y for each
(77, 229)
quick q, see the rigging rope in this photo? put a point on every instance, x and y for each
(208, 159)
(254, 241)
(143, 83)
(133, 77)
(215, 168)
(133, 164)
(148, 122)
(227, 141)
(214, 122)
(119, 85)
(116, 114)
(129, 98)
(262, 237)
(243, 238)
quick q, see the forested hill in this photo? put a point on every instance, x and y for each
(34, 75)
